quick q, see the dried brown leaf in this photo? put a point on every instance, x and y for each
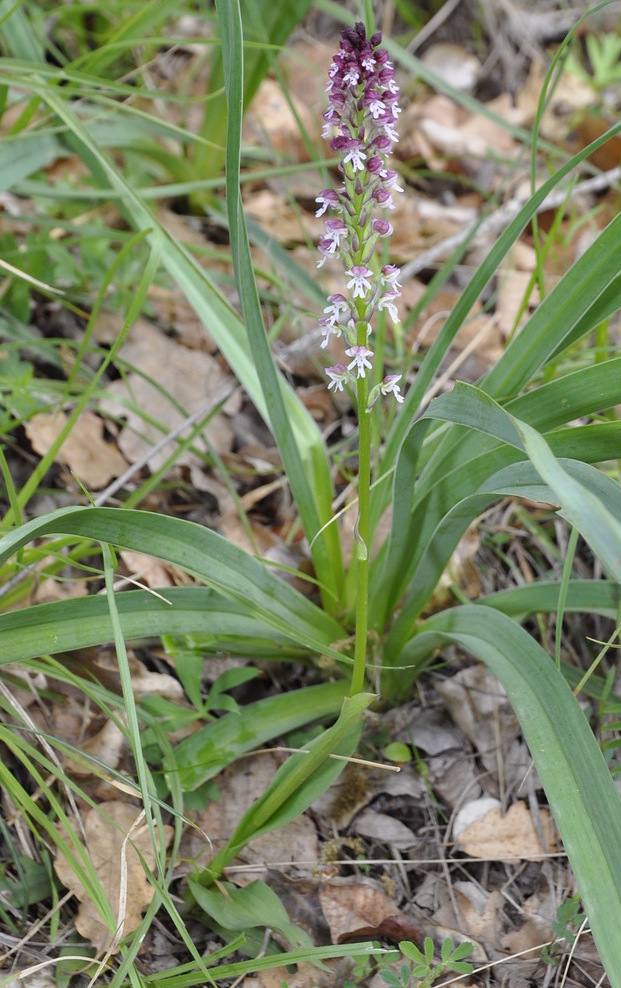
(107, 746)
(509, 836)
(189, 377)
(117, 860)
(352, 906)
(460, 68)
(85, 451)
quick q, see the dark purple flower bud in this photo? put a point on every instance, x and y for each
(382, 227)
(337, 100)
(381, 196)
(339, 144)
(382, 143)
(375, 164)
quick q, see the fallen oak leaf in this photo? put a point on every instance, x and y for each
(118, 843)
(505, 837)
(85, 451)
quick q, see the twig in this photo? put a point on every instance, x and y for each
(501, 217)
(432, 26)
(142, 461)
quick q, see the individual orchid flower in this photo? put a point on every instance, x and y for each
(360, 361)
(338, 375)
(360, 276)
(389, 385)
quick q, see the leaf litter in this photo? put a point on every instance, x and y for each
(436, 865)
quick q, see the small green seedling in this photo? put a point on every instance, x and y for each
(422, 970)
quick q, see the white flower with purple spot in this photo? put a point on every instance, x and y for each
(390, 273)
(390, 132)
(377, 108)
(335, 231)
(356, 155)
(338, 375)
(390, 385)
(359, 275)
(360, 359)
(338, 306)
(328, 330)
(352, 76)
(328, 198)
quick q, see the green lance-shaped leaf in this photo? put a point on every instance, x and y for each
(577, 781)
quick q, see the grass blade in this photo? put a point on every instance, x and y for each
(312, 490)
(208, 751)
(231, 571)
(80, 622)
(298, 782)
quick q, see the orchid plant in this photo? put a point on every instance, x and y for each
(438, 467)
(363, 110)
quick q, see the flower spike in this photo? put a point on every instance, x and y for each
(361, 123)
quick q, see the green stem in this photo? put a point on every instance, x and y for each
(362, 535)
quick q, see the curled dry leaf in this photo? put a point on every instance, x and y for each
(359, 910)
(118, 842)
